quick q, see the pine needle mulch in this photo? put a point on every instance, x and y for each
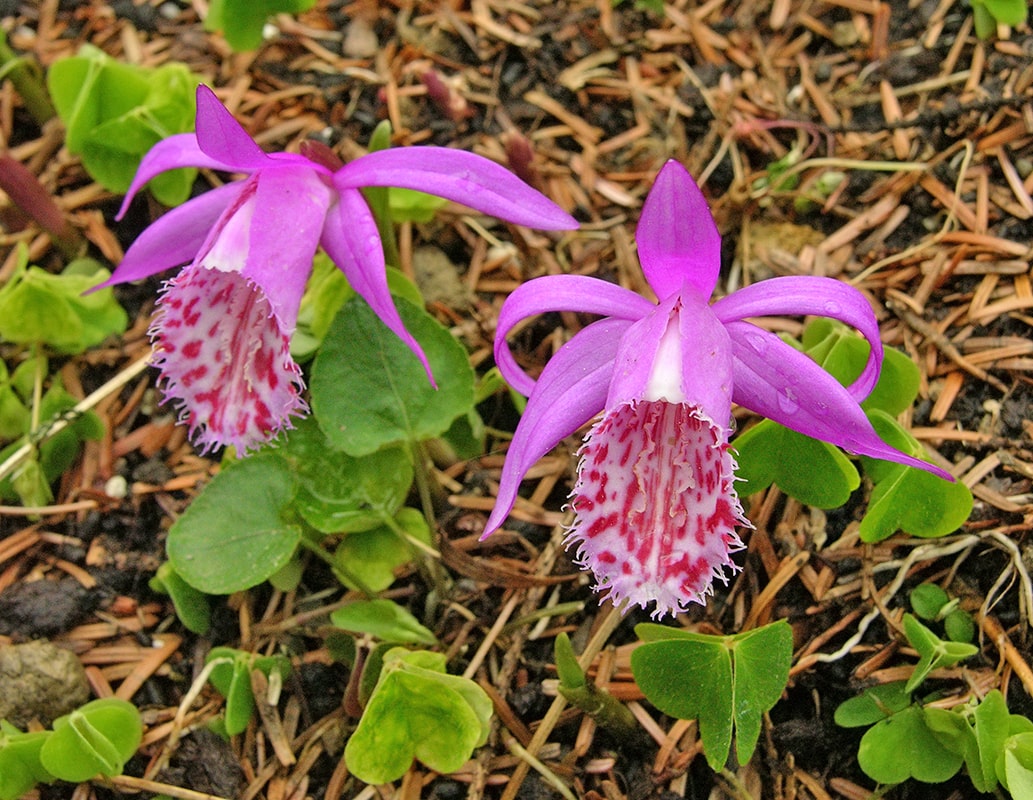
(933, 130)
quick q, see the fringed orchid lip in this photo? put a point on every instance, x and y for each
(249, 247)
(655, 505)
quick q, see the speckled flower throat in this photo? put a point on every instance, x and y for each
(655, 506)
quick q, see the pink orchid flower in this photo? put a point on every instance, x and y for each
(224, 322)
(655, 507)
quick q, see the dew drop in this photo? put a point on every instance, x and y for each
(833, 308)
(787, 402)
(757, 342)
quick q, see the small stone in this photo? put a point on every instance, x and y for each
(40, 681)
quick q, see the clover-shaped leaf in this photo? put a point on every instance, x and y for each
(369, 390)
(873, 705)
(96, 739)
(239, 530)
(20, 767)
(933, 652)
(814, 472)
(115, 112)
(902, 746)
(37, 306)
(906, 498)
(734, 681)
(417, 711)
(231, 676)
(384, 620)
(190, 604)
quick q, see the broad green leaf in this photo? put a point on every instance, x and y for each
(238, 531)
(384, 620)
(812, 471)
(991, 729)
(338, 493)
(902, 746)
(409, 205)
(97, 738)
(191, 605)
(242, 21)
(874, 704)
(20, 767)
(369, 390)
(374, 555)
(417, 713)
(959, 627)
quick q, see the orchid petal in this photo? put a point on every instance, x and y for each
(179, 150)
(222, 138)
(560, 293)
(175, 237)
(679, 353)
(677, 239)
(783, 384)
(463, 177)
(571, 390)
(353, 243)
(803, 295)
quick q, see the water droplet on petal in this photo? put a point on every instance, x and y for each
(757, 343)
(832, 309)
(787, 401)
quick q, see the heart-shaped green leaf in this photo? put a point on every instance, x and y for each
(383, 619)
(902, 746)
(374, 555)
(873, 705)
(417, 712)
(243, 21)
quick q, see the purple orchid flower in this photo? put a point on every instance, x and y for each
(224, 322)
(655, 507)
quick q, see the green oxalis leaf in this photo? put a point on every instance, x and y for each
(95, 739)
(384, 620)
(115, 112)
(724, 682)
(933, 652)
(20, 767)
(1015, 763)
(906, 498)
(368, 389)
(902, 746)
(242, 21)
(231, 676)
(39, 307)
(417, 711)
(190, 604)
(240, 529)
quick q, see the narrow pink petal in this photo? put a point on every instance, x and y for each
(460, 176)
(679, 353)
(352, 241)
(176, 237)
(809, 295)
(678, 242)
(225, 363)
(781, 383)
(290, 205)
(222, 138)
(570, 392)
(179, 150)
(655, 506)
(559, 293)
